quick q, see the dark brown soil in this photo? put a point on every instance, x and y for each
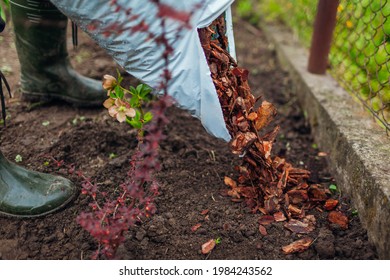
(194, 165)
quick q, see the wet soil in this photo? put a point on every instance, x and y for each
(194, 165)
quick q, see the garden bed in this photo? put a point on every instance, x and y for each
(194, 165)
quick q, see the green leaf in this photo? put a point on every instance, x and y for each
(2, 14)
(139, 88)
(148, 117)
(120, 78)
(145, 90)
(135, 123)
(134, 101)
(333, 188)
(2, 9)
(119, 92)
(133, 91)
(137, 115)
(18, 158)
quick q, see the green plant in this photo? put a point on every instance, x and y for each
(247, 9)
(18, 158)
(112, 155)
(128, 104)
(76, 120)
(333, 188)
(109, 219)
(4, 4)
(244, 8)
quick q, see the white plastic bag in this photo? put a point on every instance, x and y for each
(191, 86)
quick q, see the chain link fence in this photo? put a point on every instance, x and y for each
(360, 53)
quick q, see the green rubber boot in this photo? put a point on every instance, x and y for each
(46, 72)
(25, 193)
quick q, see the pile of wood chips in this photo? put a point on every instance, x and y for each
(267, 183)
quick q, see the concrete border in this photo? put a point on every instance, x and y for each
(359, 150)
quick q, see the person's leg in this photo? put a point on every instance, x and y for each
(46, 73)
(25, 193)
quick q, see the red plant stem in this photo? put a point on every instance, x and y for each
(109, 222)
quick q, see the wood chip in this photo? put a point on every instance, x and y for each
(195, 227)
(331, 204)
(263, 230)
(266, 220)
(208, 246)
(298, 246)
(279, 217)
(296, 226)
(336, 217)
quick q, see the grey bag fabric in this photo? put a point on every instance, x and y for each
(191, 86)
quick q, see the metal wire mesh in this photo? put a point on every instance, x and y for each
(359, 58)
(360, 55)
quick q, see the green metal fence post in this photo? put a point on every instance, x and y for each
(322, 35)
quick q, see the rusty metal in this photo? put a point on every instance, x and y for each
(322, 36)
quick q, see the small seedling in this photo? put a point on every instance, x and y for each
(218, 241)
(46, 163)
(6, 70)
(82, 56)
(76, 120)
(112, 156)
(314, 146)
(45, 123)
(18, 158)
(333, 188)
(6, 118)
(355, 212)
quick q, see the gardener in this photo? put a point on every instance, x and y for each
(46, 74)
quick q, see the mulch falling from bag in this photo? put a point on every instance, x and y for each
(267, 183)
